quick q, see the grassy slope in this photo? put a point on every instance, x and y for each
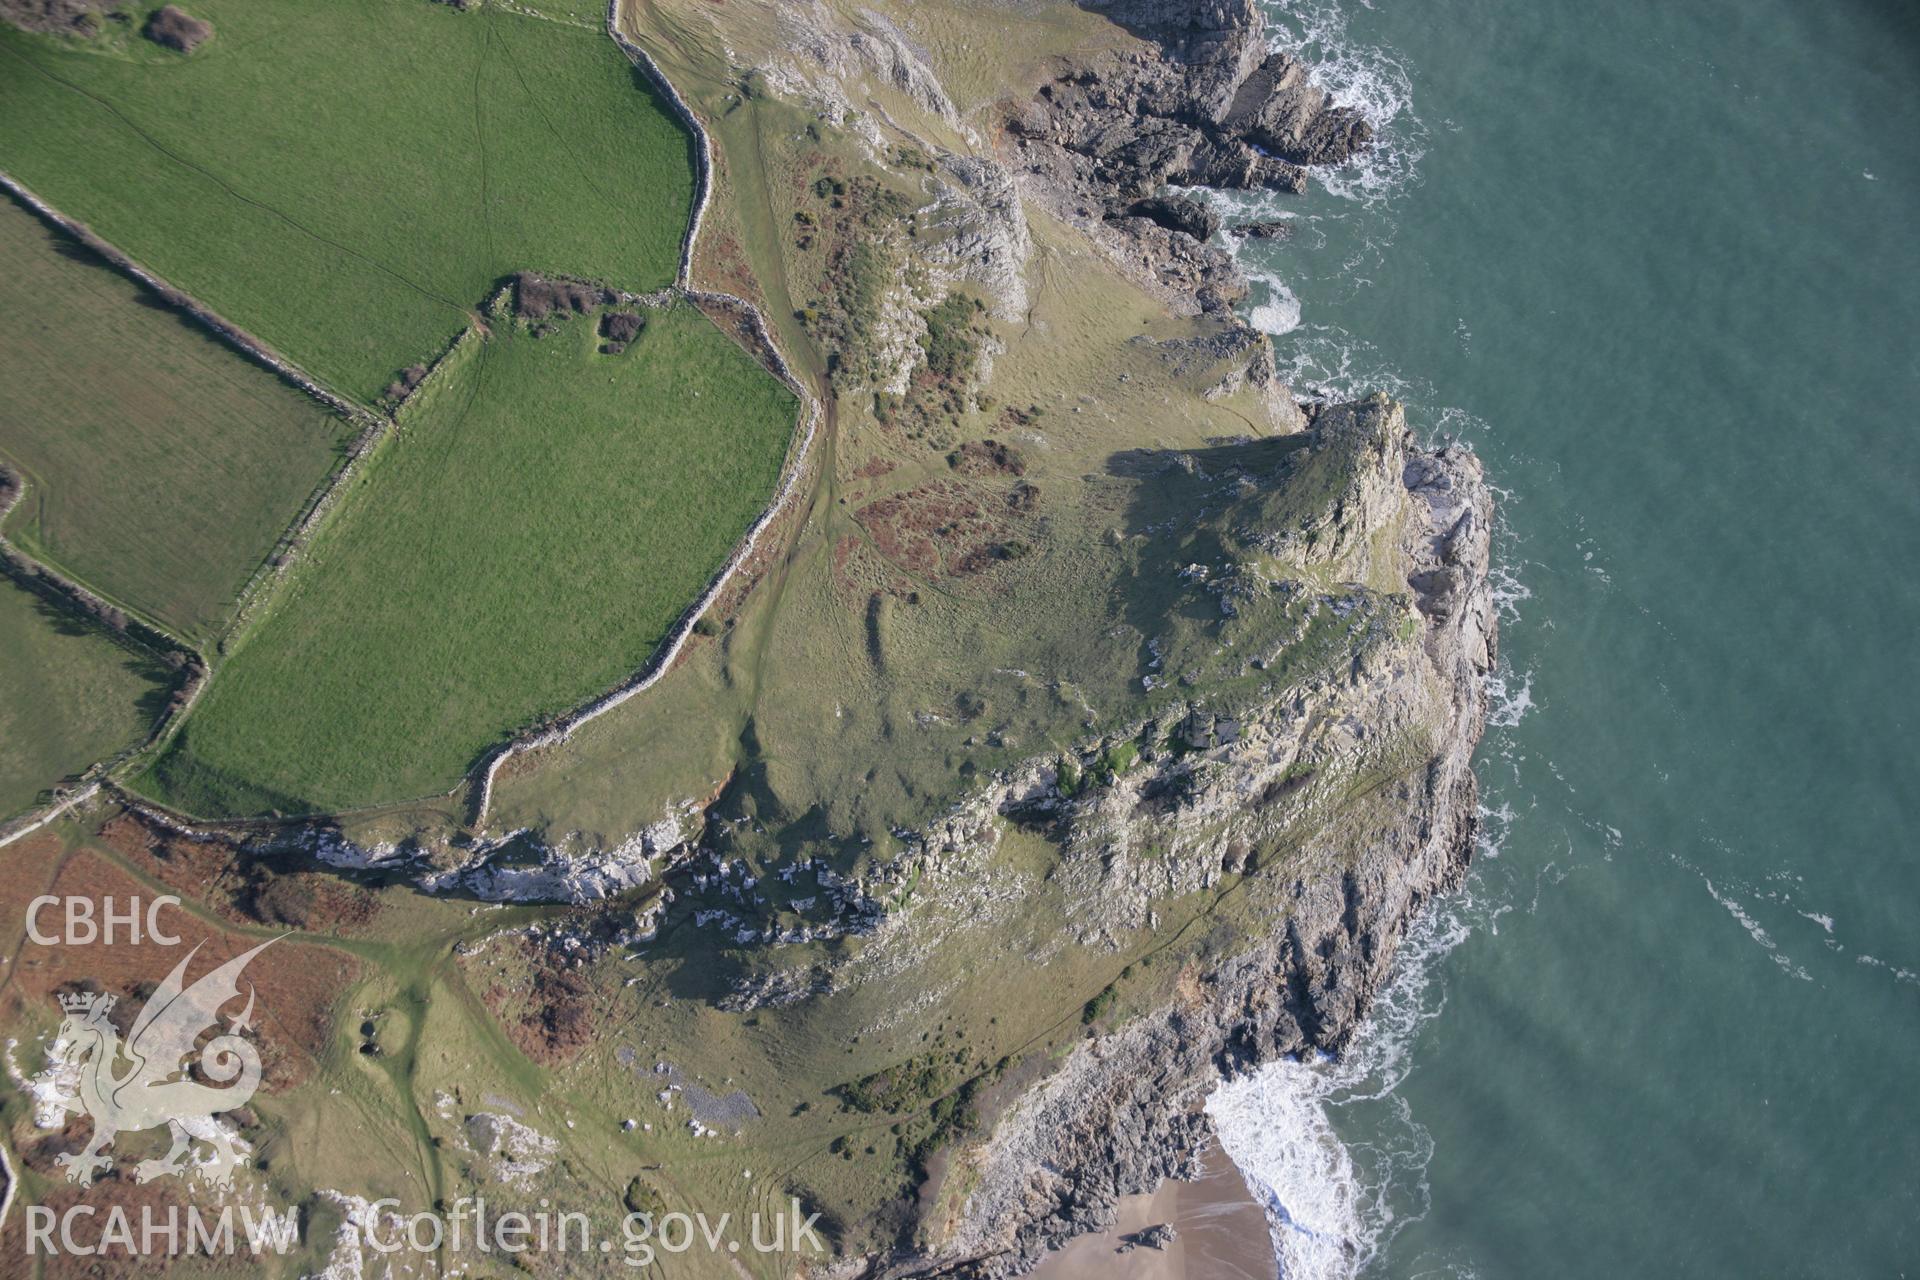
(917, 697)
(162, 466)
(889, 680)
(981, 984)
(802, 658)
(68, 697)
(542, 516)
(348, 180)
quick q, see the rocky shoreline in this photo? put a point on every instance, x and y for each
(1097, 147)
(1214, 108)
(1124, 1112)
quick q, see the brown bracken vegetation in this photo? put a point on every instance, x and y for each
(619, 328)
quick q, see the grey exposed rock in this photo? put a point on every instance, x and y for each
(1278, 229)
(1218, 42)
(1178, 213)
(717, 1111)
(833, 60)
(1209, 106)
(1279, 110)
(1218, 109)
(1235, 166)
(1158, 1236)
(1124, 1111)
(884, 48)
(989, 241)
(511, 1152)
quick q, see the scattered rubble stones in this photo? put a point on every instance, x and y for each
(535, 296)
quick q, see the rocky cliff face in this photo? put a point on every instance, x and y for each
(1123, 1112)
(1332, 804)
(1219, 80)
(1335, 805)
(1214, 107)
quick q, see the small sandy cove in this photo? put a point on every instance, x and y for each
(1222, 1234)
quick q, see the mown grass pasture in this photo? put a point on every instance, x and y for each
(161, 466)
(351, 180)
(525, 539)
(70, 697)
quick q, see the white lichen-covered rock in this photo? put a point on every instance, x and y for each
(988, 241)
(54, 1090)
(512, 1152)
(837, 64)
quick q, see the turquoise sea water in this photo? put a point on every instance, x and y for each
(1660, 263)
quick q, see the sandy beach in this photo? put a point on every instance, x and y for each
(1222, 1235)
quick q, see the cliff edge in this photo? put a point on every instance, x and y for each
(1124, 1111)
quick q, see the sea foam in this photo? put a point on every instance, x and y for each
(1333, 1204)
(1337, 1158)
(1279, 312)
(1371, 79)
(1335, 1155)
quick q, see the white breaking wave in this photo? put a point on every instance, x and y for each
(1756, 932)
(1274, 1125)
(1372, 80)
(1369, 78)
(1326, 362)
(1280, 311)
(1333, 1205)
(1506, 705)
(1899, 974)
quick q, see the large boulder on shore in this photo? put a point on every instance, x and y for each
(1178, 213)
(1285, 114)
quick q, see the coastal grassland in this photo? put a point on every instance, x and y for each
(748, 227)
(582, 13)
(523, 541)
(70, 696)
(982, 54)
(349, 181)
(867, 1100)
(927, 677)
(869, 1095)
(161, 465)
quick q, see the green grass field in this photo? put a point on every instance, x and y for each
(161, 465)
(69, 697)
(350, 180)
(982, 670)
(542, 515)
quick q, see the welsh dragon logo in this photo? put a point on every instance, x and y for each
(145, 1082)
